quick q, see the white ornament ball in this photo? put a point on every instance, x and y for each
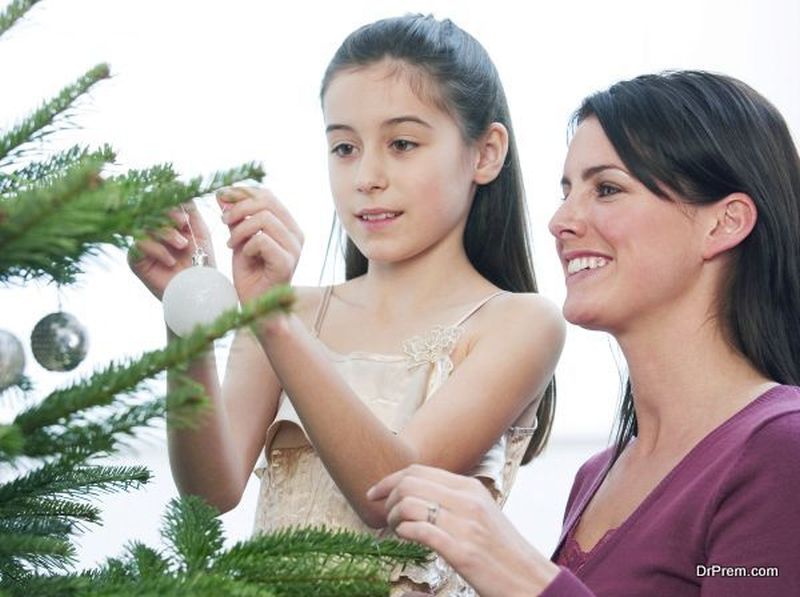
(197, 296)
(12, 360)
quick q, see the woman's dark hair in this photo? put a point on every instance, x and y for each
(458, 75)
(700, 137)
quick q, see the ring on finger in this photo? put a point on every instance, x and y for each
(433, 512)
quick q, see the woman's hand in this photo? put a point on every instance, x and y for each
(457, 517)
(265, 239)
(158, 258)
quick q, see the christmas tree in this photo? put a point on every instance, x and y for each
(57, 211)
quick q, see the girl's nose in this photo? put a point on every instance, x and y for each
(371, 175)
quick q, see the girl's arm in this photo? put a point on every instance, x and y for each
(214, 457)
(512, 362)
(520, 340)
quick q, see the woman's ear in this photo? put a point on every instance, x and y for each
(492, 151)
(731, 220)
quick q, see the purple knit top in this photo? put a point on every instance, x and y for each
(724, 521)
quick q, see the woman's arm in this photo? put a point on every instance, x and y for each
(457, 517)
(755, 530)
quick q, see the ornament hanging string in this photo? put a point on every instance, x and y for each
(199, 257)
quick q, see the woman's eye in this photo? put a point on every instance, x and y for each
(403, 145)
(605, 190)
(343, 150)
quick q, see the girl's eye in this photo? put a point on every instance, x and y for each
(606, 190)
(403, 145)
(343, 150)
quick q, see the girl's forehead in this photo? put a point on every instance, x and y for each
(387, 85)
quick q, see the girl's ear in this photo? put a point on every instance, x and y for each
(492, 150)
(731, 220)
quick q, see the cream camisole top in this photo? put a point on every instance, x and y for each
(296, 489)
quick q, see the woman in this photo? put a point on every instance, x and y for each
(680, 235)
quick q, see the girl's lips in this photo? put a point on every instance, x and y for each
(376, 221)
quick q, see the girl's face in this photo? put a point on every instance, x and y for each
(400, 171)
(628, 255)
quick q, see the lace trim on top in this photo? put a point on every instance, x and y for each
(572, 556)
(434, 346)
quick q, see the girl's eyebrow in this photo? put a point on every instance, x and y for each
(386, 124)
(589, 172)
(402, 119)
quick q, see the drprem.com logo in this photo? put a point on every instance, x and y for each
(706, 570)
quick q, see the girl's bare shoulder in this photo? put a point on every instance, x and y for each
(523, 313)
(307, 302)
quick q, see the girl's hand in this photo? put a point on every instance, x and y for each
(158, 258)
(457, 517)
(265, 239)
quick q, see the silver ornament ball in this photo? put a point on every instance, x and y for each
(12, 360)
(59, 342)
(197, 296)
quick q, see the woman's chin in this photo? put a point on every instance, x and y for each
(582, 315)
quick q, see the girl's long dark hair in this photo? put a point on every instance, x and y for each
(705, 136)
(466, 85)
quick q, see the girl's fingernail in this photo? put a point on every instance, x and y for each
(182, 241)
(370, 491)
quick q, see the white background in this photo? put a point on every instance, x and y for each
(210, 85)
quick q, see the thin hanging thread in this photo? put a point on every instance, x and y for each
(199, 257)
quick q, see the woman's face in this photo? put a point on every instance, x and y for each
(628, 255)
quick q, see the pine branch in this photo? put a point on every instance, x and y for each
(104, 435)
(11, 441)
(323, 541)
(91, 585)
(37, 124)
(30, 238)
(63, 478)
(13, 13)
(50, 509)
(47, 233)
(39, 174)
(49, 526)
(45, 552)
(146, 561)
(193, 533)
(104, 386)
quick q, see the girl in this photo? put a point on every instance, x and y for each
(679, 235)
(435, 350)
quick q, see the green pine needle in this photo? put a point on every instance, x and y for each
(46, 231)
(65, 479)
(46, 172)
(38, 123)
(13, 13)
(193, 533)
(11, 441)
(44, 552)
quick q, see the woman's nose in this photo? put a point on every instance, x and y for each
(567, 220)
